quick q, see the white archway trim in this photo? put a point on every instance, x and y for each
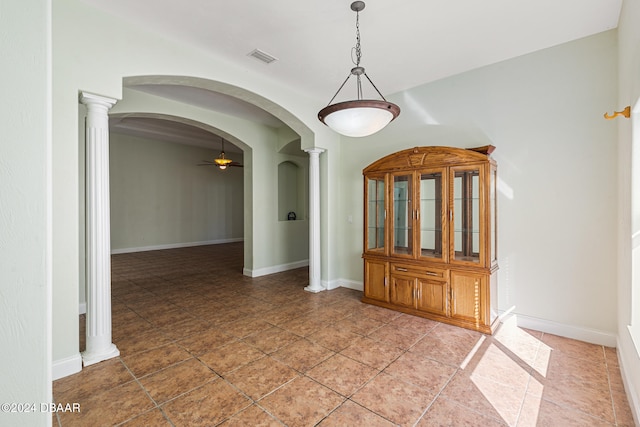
(277, 110)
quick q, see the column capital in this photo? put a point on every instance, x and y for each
(314, 150)
(91, 98)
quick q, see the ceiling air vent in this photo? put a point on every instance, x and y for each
(263, 56)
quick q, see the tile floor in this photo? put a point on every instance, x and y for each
(201, 344)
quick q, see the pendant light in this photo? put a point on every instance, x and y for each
(360, 117)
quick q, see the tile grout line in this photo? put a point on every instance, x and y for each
(437, 396)
(148, 395)
(526, 390)
(613, 406)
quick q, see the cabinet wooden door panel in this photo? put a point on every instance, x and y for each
(402, 291)
(375, 273)
(432, 296)
(466, 296)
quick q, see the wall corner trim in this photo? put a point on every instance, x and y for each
(68, 366)
(344, 283)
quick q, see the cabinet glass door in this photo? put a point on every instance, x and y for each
(402, 215)
(431, 215)
(466, 214)
(493, 211)
(375, 214)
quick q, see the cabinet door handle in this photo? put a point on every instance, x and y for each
(431, 273)
(401, 269)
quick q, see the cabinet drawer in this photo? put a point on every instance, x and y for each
(419, 271)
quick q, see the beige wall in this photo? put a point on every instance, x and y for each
(25, 209)
(556, 169)
(161, 198)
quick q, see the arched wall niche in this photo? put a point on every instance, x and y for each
(292, 191)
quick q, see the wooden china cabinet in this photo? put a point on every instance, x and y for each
(430, 235)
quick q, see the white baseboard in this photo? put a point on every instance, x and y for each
(350, 284)
(275, 268)
(82, 308)
(593, 336)
(175, 245)
(65, 367)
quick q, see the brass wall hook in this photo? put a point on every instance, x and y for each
(626, 112)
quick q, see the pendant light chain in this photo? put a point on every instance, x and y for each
(358, 50)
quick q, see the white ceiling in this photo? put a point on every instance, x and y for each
(404, 43)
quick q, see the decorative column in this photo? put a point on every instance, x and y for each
(98, 230)
(315, 284)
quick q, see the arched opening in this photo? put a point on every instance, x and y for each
(174, 171)
(263, 130)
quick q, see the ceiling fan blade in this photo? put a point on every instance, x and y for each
(206, 164)
(236, 164)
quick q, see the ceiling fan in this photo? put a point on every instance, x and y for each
(222, 162)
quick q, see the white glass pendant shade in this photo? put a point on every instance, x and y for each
(359, 118)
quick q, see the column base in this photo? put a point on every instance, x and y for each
(95, 357)
(314, 289)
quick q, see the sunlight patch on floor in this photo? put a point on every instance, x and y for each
(505, 372)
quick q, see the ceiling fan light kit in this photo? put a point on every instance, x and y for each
(222, 162)
(359, 117)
